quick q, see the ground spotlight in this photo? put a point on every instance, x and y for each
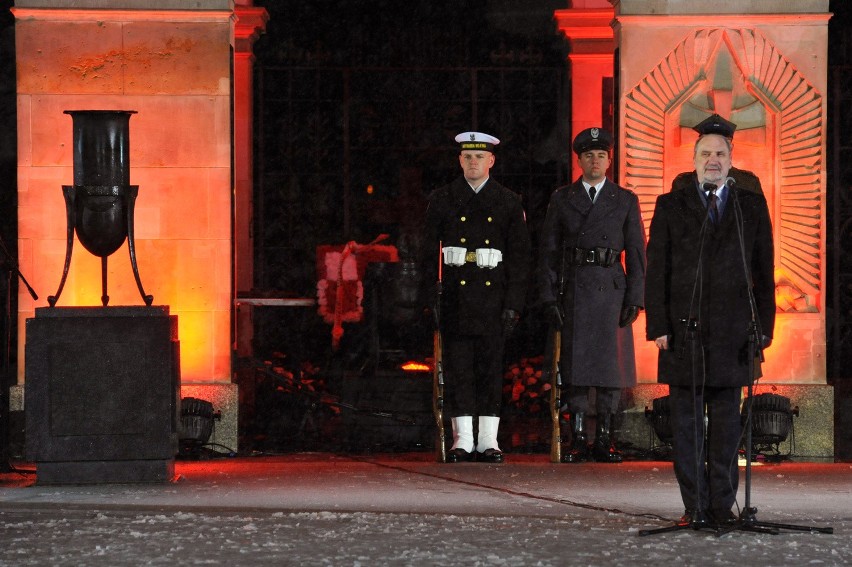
(772, 423)
(196, 426)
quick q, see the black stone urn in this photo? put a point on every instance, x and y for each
(99, 206)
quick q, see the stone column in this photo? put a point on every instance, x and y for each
(250, 24)
(587, 27)
(172, 65)
(761, 64)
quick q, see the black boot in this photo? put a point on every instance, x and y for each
(604, 451)
(579, 450)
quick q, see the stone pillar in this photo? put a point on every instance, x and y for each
(587, 27)
(172, 65)
(250, 24)
(761, 64)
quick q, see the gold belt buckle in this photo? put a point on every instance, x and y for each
(470, 257)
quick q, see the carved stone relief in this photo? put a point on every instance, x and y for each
(742, 76)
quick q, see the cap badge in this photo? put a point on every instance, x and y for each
(595, 133)
(472, 137)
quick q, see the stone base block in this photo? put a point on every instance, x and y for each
(106, 472)
(811, 436)
(223, 396)
(101, 394)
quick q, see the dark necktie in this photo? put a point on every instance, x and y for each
(713, 207)
(592, 192)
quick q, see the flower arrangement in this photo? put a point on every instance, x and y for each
(525, 392)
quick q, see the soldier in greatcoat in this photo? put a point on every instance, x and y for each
(710, 252)
(476, 229)
(591, 283)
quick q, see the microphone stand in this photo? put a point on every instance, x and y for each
(747, 520)
(14, 267)
(692, 334)
(5, 377)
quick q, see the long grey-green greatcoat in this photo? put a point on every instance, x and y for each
(473, 298)
(724, 314)
(595, 350)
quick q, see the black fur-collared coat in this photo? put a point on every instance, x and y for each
(715, 294)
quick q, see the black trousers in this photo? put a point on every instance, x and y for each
(606, 399)
(705, 461)
(473, 374)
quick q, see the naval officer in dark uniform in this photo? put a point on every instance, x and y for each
(589, 228)
(702, 263)
(478, 229)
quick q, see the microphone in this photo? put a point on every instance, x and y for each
(710, 187)
(730, 182)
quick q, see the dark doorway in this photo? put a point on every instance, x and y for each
(356, 115)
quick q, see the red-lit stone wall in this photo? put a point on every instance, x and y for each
(761, 65)
(766, 72)
(173, 67)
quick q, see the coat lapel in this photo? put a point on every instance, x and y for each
(461, 194)
(693, 202)
(579, 199)
(605, 202)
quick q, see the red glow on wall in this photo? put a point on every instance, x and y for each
(674, 70)
(173, 68)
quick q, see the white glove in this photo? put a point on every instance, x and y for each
(488, 257)
(454, 255)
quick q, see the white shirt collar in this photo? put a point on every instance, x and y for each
(481, 185)
(596, 186)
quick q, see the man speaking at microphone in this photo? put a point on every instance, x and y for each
(699, 315)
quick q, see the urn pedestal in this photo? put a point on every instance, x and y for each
(103, 388)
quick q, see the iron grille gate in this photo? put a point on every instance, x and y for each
(839, 316)
(349, 153)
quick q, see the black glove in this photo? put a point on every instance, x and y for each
(553, 315)
(510, 319)
(629, 313)
(765, 342)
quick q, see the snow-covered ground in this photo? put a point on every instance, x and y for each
(322, 509)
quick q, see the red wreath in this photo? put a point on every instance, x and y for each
(340, 276)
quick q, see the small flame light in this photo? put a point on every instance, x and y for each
(414, 366)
